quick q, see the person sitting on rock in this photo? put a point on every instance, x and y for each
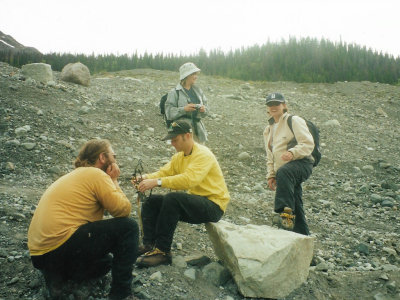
(68, 238)
(288, 165)
(193, 168)
(187, 101)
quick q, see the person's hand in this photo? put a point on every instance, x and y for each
(287, 156)
(272, 183)
(147, 184)
(136, 180)
(190, 107)
(202, 109)
(113, 171)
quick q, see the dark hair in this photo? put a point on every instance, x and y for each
(90, 152)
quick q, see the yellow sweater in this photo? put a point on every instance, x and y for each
(199, 173)
(75, 199)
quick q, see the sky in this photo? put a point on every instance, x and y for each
(186, 26)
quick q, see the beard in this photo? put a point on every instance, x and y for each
(106, 165)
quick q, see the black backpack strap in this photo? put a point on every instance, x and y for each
(289, 122)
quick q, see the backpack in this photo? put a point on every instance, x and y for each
(162, 108)
(316, 153)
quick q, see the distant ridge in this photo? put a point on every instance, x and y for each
(7, 42)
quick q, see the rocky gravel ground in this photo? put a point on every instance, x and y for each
(351, 200)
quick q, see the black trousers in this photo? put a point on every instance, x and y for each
(86, 255)
(289, 192)
(161, 213)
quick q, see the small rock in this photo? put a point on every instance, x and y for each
(156, 276)
(28, 146)
(381, 112)
(216, 273)
(363, 248)
(179, 261)
(259, 188)
(179, 246)
(368, 168)
(387, 203)
(391, 286)
(55, 170)
(84, 110)
(375, 198)
(191, 273)
(380, 296)
(244, 156)
(389, 251)
(197, 260)
(384, 277)
(323, 266)
(10, 166)
(34, 283)
(389, 268)
(333, 123)
(12, 281)
(20, 131)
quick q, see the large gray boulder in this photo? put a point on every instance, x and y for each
(76, 73)
(40, 72)
(264, 262)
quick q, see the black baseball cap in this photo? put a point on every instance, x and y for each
(176, 128)
(275, 97)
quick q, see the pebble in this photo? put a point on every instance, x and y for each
(363, 248)
(28, 146)
(384, 276)
(191, 273)
(243, 156)
(12, 281)
(156, 276)
(387, 203)
(10, 166)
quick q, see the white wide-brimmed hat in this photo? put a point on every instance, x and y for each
(186, 69)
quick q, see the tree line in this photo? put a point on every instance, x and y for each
(304, 60)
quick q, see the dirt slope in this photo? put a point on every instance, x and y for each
(351, 200)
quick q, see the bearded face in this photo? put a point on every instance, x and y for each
(106, 164)
(110, 158)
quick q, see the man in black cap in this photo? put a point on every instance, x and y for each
(193, 168)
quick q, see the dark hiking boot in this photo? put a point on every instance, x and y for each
(285, 219)
(154, 258)
(144, 248)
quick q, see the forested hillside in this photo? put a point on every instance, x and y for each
(304, 60)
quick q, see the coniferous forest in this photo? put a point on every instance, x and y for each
(298, 60)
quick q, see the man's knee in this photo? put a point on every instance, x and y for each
(282, 173)
(172, 199)
(128, 225)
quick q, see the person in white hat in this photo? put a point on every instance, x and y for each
(187, 101)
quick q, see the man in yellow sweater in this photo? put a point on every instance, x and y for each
(193, 168)
(68, 238)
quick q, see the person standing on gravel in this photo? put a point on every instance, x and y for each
(288, 164)
(193, 168)
(187, 101)
(68, 237)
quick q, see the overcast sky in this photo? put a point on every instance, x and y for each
(176, 26)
